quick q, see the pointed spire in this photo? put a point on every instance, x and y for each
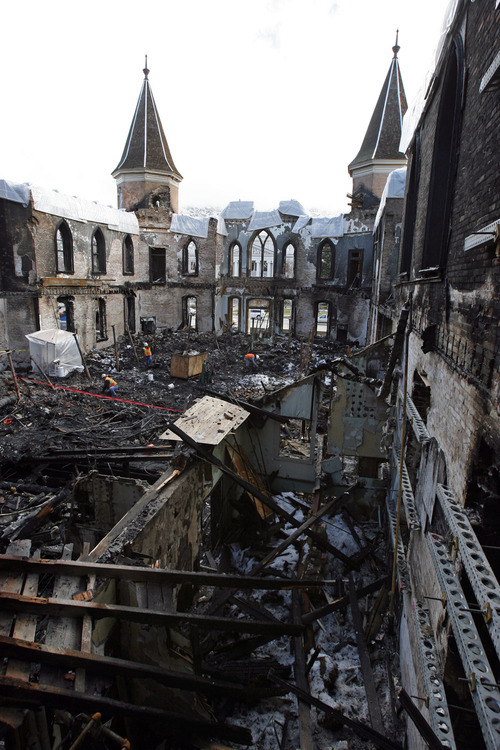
(381, 141)
(146, 147)
(145, 70)
(395, 49)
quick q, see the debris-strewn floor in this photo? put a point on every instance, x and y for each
(70, 415)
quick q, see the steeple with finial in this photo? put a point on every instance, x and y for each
(379, 153)
(146, 173)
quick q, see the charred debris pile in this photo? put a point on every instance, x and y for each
(277, 636)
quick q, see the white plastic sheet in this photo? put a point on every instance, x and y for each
(328, 227)
(264, 220)
(238, 210)
(55, 351)
(79, 209)
(292, 208)
(194, 226)
(394, 188)
(15, 192)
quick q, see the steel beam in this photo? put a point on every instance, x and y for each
(482, 579)
(416, 421)
(484, 693)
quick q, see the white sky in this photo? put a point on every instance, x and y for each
(261, 100)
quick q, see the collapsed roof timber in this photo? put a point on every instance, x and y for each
(295, 550)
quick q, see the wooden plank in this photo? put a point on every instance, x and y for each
(364, 658)
(159, 576)
(12, 581)
(33, 695)
(106, 665)
(69, 608)
(299, 671)
(244, 469)
(208, 421)
(24, 628)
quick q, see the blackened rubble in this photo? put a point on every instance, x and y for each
(59, 442)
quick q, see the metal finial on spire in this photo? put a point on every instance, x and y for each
(145, 70)
(396, 47)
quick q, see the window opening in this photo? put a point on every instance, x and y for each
(234, 312)
(235, 260)
(66, 313)
(326, 260)
(100, 320)
(98, 252)
(354, 268)
(262, 256)
(190, 259)
(128, 255)
(322, 318)
(190, 313)
(286, 315)
(64, 249)
(295, 439)
(289, 262)
(130, 314)
(157, 265)
(258, 316)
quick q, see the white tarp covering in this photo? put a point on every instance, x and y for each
(15, 192)
(292, 208)
(79, 209)
(238, 210)
(264, 220)
(301, 222)
(55, 352)
(328, 227)
(195, 226)
(394, 188)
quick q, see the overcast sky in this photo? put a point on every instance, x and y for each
(261, 100)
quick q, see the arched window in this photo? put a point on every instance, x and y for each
(235, 260)
(326, 260)
(98, 252)
(190, 259)
(262, 256)
(444, 161)
(64, 249)
(128, 255)
(189, 313)
(354, 269)
(289, 261)
(258, 317)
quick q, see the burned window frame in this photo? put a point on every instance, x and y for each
(69, 307)
(353, 280)
(328, 304)
(128, 256)
(98, 251)
(64, 232)
(101, 323)
(291, 275)
(156, 254)
(323, 246)
(291, 326)
(444, 161)
(185, 313)
(258, 237)
(186, 270)
(129, 313)
(230, 313)
(234, 245)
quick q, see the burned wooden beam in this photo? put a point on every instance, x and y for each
(343, 601)
(14, 648)
(33, 695)
(397, 348)
(153, 575)
(364, 658)
(362, 730)
(265, 499)
(70, 608)
(423, 727)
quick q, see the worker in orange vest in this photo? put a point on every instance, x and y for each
(146, 350)
(250, 360)
(109, 386)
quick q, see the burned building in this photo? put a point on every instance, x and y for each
(444, 295)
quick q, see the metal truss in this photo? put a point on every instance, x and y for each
(482, 579)
(401, 555)
(484, 691)
(437, 705)
(416, 421)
